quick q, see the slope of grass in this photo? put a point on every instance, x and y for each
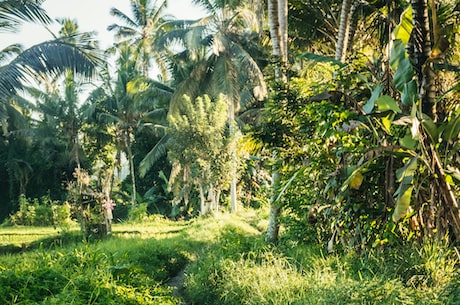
(225, 261)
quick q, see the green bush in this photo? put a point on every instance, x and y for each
(29, 285)
(138, 213)
(42, 212)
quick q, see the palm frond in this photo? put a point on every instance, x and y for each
(153, 116)
(122, 16)
(9, 51)
(154, 155)
(13, 12)
(207, 5)
(225, 80)
(48, 58)
(156, 14)
(122, 33)
(190, 86)
(16, 119)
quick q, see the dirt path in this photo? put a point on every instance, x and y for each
(177, 283)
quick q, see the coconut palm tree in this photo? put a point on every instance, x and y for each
(277, 16)
(127, 104)
(49, 58)
(142, 30)
(215, 50)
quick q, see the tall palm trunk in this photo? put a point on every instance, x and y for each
(277, 20)
(131, 168)
(419, 49)
(274, 27)
(344, 29)
(283, 33)
(259, 9)
(232, 150)
(275, 211)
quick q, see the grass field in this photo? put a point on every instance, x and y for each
(214, 260)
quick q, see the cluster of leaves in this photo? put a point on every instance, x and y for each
(199, 151)
(42, 212)
(319, 140)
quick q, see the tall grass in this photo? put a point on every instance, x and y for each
(226, 261)
(250, 272)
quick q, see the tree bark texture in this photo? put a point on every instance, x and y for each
(277, 20)
(275, 211)
(344, 28)
(419, 49)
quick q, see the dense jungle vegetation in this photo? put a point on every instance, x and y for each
(286, 152)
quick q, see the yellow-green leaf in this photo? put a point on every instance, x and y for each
(404, 28)
(356, 181)
(402, 204)
(386, 102)
(386, 122)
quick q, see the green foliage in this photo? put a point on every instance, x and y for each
(30, 286)
(92, 274)
(137, 213)
(200, 148)
(225, 261)
(240, 269)
(318, 142)
(42, 212)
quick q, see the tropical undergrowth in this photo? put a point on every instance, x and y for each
(225, 261)
(242, 269)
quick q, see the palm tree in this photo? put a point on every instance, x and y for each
(128, 104)
(18, 68)
(142, 31)
(218, 61)
(50, 58)
(344, 29)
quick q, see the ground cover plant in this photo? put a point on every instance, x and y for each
(221, 260)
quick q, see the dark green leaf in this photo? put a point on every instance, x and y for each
(370, 104)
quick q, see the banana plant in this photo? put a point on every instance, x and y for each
(426, 143)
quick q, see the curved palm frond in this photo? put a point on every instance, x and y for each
(122, 32)
(48, 58)
(13, 13)
(207, 5)
(9, 51)
(157, 15)
(154, 155)
(122, 16)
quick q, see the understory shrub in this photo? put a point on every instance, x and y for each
(42, 212)
(295, 273)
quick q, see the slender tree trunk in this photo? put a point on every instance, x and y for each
(275, 211)
(344, 28)
(419, 48)
(217, 200)
(274, 26)
(203, 209)
(277, 20)
(232, 148)
(283, 32)
(353, 15)
(259, 10)
(132, 172)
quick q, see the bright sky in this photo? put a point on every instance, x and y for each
(91, 15)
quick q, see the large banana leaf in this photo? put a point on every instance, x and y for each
(405, 176)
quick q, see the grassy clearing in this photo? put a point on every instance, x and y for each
(226, 262)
